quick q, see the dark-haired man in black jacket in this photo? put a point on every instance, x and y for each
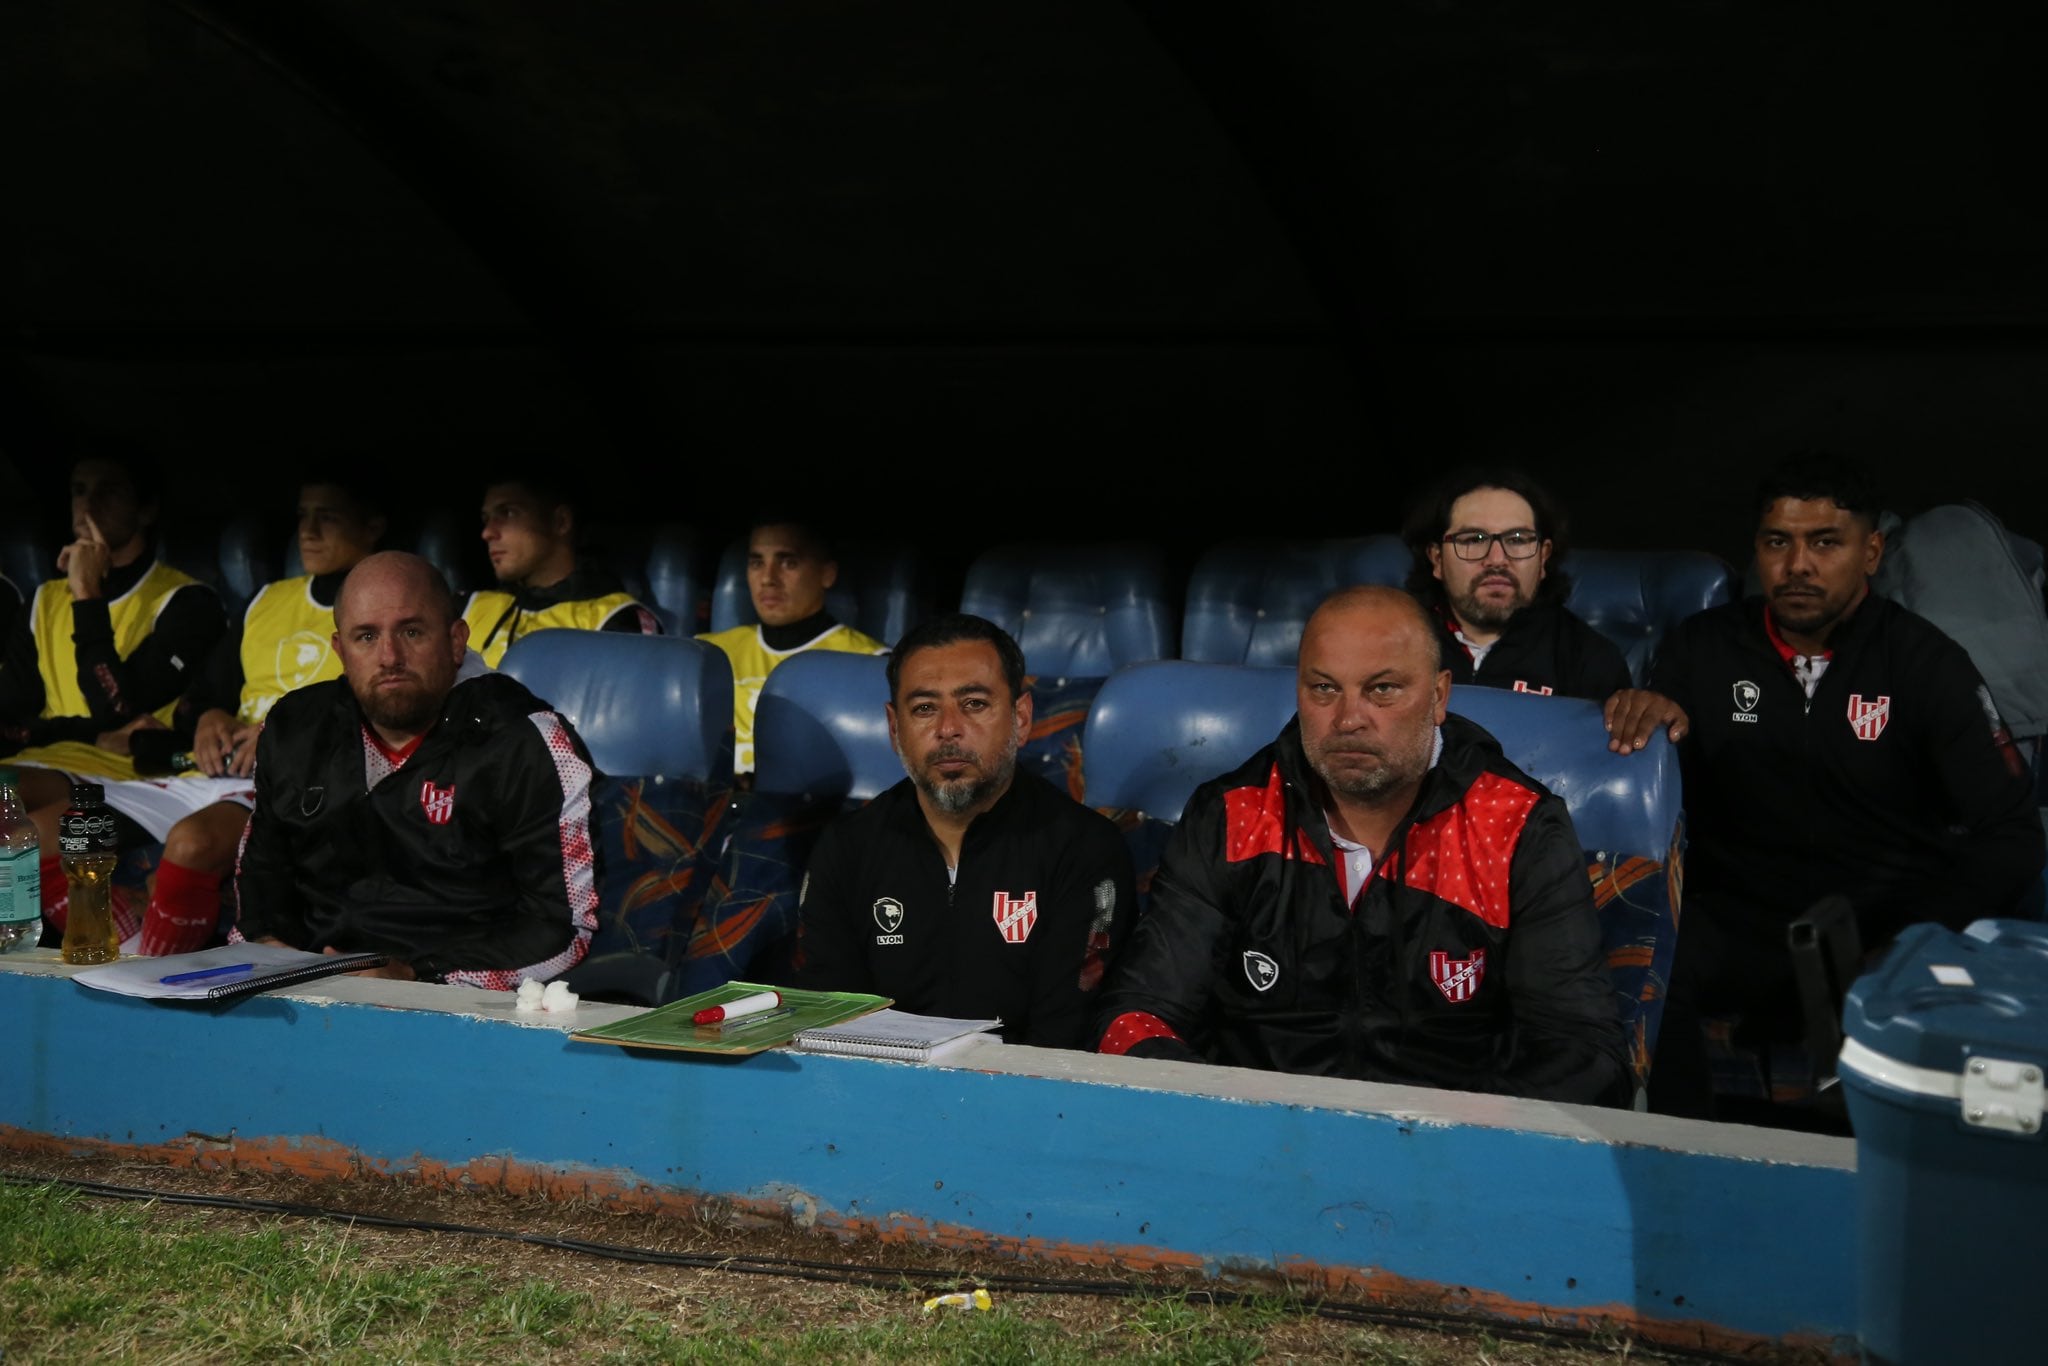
(1378, 894)
(968, 889)
(1833, 743)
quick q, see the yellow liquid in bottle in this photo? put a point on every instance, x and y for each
(89, 935)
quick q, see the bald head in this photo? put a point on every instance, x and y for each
(411, 576)
(1378, 608)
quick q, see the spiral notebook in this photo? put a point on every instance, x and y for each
(226, 973)
(892, 1034)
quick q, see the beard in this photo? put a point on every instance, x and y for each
(1474, 610)
(1401, 761)
(958, 795)
(410, 708)
(1808, 613)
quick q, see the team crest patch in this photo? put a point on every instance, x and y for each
(437, 802)
(1015, 916)
(889, 914)
(1260, 970)
(1457, 978)
(1868, 719)
(1746, 694)
(311, 800)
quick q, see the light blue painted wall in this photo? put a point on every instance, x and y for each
(1561, 1206)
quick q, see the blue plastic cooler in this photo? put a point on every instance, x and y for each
(1945, 1047)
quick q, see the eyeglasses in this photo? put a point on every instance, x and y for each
(1475, 545)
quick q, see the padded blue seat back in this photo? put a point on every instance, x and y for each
(675, 579)
(820, 732)
(249, 560)
(1622, 804)
(1634, 596)
(821, 746)
(879, 590)
(643, 704)
(1248, 600)
(195, 549)
(656, 714)
(1158, 731)
(1078, 611)
(26, 556)
(447, 542)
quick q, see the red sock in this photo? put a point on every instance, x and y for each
(183, 911)
(56, 891)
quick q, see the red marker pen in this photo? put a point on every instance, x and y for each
(733, 1010)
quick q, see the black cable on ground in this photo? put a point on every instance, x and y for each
(887, 1277)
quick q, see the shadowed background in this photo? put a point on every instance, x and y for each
(1057, 270)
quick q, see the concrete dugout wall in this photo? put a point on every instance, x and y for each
(1685, 1232)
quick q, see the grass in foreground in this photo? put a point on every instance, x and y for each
(80, 1280)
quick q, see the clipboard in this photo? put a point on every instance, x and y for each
(671, 1027)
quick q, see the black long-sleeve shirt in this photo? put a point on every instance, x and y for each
(117, 688)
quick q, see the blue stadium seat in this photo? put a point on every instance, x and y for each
(656, 715)
(675, 579)
(643, 704)
(447, 541)
(1158, 731)
(821, 746)
(1634, 596)
(820, 732)
(1248, 600)
(195, 548)
(880, 589)
(27, 556)
(1078, 611)
(624, 554)
(249, 559)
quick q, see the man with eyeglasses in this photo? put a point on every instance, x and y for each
(1489, 549)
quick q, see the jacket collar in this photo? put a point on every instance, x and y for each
(1860, 622)
(910, 814)
(1467, 750)
(585, 581)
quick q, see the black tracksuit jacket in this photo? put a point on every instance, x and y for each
(1471, 960)
(472, 862)
(878, 914)
(1932, 817)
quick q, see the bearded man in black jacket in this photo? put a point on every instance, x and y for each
(420, 806)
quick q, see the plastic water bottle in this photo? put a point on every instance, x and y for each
(21, 871)
(86, 839)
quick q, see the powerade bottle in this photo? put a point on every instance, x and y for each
(85, 838)
(21, 871)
